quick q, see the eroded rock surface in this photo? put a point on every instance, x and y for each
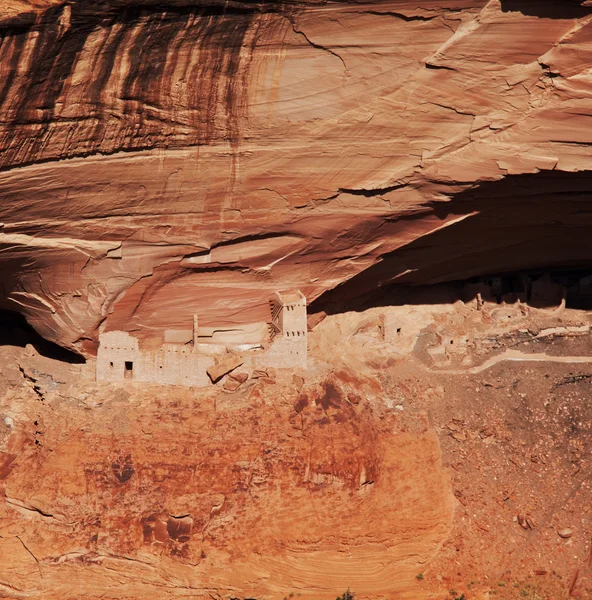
(160, 492)
(399, 465)
(158, 157)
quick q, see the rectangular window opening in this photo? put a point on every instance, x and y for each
(129, 369)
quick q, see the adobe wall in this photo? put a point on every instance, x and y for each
(172, 364)
(285, 352)
(293, 319)
(115, 348)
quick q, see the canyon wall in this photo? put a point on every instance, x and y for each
(143, 492)
(165, 158)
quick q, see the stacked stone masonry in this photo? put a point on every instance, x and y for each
(120, 357)
(288, 324)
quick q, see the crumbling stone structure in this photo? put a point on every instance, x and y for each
(288, 329)
(120, 356)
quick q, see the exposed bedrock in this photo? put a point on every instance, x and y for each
(159, 159)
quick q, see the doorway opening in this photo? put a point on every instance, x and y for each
(129, 369)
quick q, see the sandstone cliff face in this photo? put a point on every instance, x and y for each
(146, 493)
(400, 465)
(163, 158)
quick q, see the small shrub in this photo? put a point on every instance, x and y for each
(347, 595)
(419, 576)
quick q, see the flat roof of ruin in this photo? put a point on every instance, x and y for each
(291, 296)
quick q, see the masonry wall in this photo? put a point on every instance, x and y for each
(289, 346)
(292, 319)
(172, 364)
(285, 352)
(115, 349)
(187, 364)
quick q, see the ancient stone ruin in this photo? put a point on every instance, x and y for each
(287, 331)
(120, 356)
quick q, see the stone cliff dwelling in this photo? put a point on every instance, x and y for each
(288, 330)
(538, 290)
(179, 362)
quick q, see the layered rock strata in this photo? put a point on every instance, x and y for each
(160, 159)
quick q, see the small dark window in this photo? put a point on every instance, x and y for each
(110, 364)
(129, 369)
(398, 330)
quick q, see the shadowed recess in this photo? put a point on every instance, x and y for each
(15, 331)
(523, 224)
(548, 9)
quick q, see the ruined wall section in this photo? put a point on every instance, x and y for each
(172, 364)
(289, 347)
(284, 353)
(115, 350)
(120, 358)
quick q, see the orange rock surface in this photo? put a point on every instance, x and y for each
(112, 493)
(399, 464)
(162, 157)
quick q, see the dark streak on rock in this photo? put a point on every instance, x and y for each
(19, 41)
(331, 396)
(216, 90)
(6, 464)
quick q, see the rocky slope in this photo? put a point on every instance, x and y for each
(161, 158)
(107, 493)
(401, 466)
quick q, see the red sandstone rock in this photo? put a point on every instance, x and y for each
(239, 377)
(156, 161)
(155, 492)
(224, 365)
(129, 491)
(231, 385)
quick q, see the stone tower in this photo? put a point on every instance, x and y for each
(288, 330)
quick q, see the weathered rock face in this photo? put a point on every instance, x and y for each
(159, 159)
(148, 493)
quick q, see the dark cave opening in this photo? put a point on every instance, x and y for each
(539, 289)
(523, 226)
(548, 9)
(15, 331)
